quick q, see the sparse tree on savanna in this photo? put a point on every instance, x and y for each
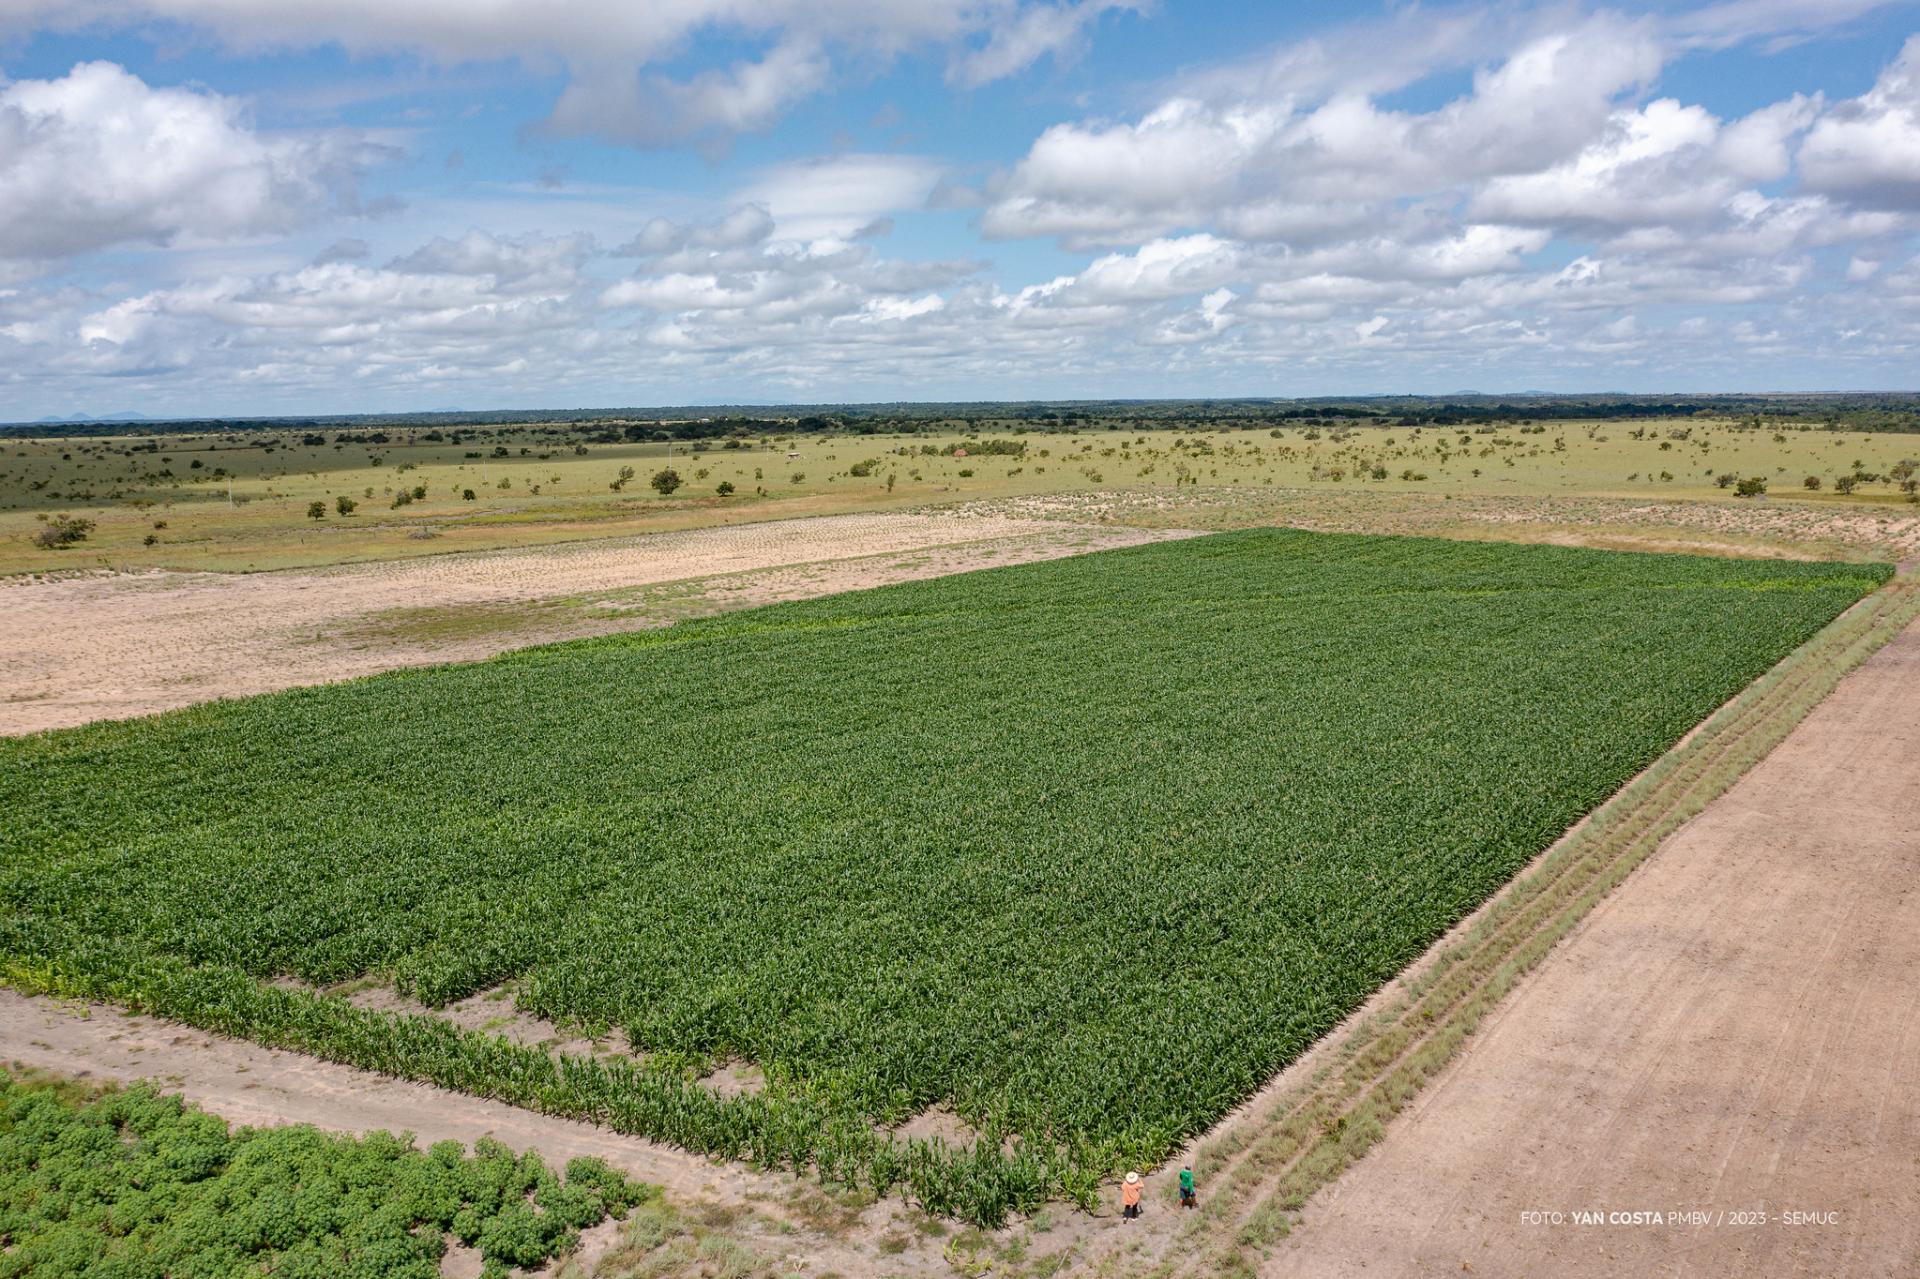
(665, 481)
(344, 504)
(316, 510)
(626, 473)
(724, 488)
(63, 531)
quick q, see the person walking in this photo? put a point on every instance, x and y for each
(1187, 1197)
(1130, 1196)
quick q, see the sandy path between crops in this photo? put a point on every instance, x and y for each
(1735, 1029)
(117, 645)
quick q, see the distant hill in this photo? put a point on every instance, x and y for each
(84, 417)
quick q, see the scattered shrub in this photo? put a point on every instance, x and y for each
(63, 531)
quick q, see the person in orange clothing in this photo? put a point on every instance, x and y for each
(1130, 1196)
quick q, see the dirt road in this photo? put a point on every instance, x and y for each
(1735, 1030)
(117, 645)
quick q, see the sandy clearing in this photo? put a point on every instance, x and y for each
(119, 645)
(1735, 1029)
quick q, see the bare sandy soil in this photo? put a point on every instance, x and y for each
(111, 646)
(1735, 1030)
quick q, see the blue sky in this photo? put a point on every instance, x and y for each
(226, 206)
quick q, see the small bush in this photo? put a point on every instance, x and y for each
(724, 488)
(1812, 481)
(63, 531)
(466, 495)
(1752, 486)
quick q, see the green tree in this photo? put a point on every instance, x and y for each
(665, 481)
(344, 504)
(316, 510)
(63, 531)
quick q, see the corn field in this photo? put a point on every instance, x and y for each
(1088, 848)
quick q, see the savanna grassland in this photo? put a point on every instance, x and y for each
(1085, 849)
(258, 499)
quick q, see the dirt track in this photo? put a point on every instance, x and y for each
(117, 645)
(1735, 1029)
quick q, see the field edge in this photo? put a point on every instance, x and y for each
(1263, 1162)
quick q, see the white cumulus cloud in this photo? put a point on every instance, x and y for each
(99, 157)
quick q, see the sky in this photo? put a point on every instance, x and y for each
(237, 207)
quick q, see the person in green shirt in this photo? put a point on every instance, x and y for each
(1187, 1197)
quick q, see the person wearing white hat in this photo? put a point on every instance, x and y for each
(1130, 1196)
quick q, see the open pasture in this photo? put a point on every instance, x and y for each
(244, 500)
(1087, 849)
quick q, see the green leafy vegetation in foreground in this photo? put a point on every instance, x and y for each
(1088, 848)
(136, 1184)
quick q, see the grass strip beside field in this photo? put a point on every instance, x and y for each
(1090, 848)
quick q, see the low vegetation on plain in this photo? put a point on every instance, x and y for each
(136, 1183)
